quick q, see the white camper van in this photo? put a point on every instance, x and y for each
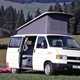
(43, 52)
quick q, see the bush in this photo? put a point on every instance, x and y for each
(3, 46)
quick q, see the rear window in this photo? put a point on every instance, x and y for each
(15, 42)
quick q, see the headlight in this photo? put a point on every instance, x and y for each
(58, 56)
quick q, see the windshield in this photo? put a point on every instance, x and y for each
(15, 41)
(62, 41)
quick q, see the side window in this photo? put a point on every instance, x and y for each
(41, 43)
(15, 42)
(28, 45)
(29, 42)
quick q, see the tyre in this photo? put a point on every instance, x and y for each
(48, 68)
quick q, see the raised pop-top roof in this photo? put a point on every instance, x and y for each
(42, 15)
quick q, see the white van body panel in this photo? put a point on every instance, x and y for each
(12, 57)
(41, 55)
(74, 53)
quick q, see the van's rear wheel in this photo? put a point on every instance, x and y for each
(48, 68)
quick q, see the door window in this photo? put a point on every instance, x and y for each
(41, 42)
(28, 45)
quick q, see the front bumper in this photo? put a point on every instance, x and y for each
(61, 67)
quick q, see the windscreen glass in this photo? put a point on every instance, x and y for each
(62, 41)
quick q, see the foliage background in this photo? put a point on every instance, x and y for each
(11, 18)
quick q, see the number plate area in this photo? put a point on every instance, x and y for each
(75, 67)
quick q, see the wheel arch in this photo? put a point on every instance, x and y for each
(46, 62)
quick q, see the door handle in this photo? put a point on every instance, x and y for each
(18, 50)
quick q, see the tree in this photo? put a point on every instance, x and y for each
(29, 17)
(37, 12)
(9, 19)
(77, 25)
(58, 7)
(50, 8)
(20, 19)
(75, 9)
(2, 13)
(2, 10)
(65, 8)
(72, 25)
(72, 7)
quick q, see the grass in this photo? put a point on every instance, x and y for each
(31, 76)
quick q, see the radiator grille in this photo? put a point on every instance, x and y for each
(73, 58)
(73, 63)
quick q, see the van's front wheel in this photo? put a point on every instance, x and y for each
(48, 68)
